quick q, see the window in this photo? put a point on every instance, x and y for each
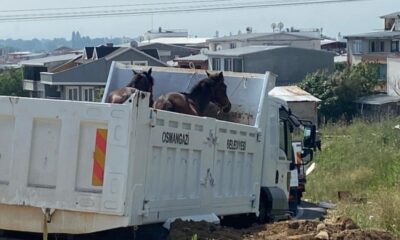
(372, 49)
(216, 64)
(140, 63)
(285, 139)
(282, 136)
(232, 45)
(137, 63)
(357, 46)
(395, 46)
(227, 64)
(382, 46)
(88, 94)
(33, 73)
(72, 93)
(237, 65)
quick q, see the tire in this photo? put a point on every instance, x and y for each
(264, 209)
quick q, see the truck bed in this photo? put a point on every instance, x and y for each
(84, 167)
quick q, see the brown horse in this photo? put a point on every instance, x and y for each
(210, 89)
(141, 81)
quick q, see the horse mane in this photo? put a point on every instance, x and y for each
(201, 91)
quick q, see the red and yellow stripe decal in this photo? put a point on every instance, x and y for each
(99, 157)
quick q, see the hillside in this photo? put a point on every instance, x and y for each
(362, 159)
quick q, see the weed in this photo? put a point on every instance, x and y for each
(364, 159)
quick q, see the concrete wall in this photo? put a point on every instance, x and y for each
(290, 64)
(393, 76)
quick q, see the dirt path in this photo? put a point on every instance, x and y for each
(338, 229)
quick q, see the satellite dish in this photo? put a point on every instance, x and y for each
(204, 51)
(134, 44)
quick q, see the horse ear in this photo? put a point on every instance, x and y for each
(149, 71)
(221, 76)
(208, 74)
(134, 72)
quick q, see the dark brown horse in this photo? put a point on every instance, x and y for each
(211, 89)
(141, 81)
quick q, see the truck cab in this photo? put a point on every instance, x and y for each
(279, 171)
(303, 155)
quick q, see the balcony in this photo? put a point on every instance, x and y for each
(380, 57)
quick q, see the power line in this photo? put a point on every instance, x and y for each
(111, 6)
(164, 10)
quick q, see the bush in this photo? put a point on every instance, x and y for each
(11, 83)
(340, 89)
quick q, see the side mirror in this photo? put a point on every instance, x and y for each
(307, 156)
(309, 140)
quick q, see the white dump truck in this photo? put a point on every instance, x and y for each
(80, 167)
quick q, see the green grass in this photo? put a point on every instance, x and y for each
(362, 158)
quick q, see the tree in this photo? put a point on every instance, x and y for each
(339, 90)
(11, 83)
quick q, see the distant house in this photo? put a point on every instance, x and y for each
(80, 79)
(17, 57)
(337, 46)
(308, 40)
(191, 42)
(62, 50)
(376, 46)
(168, 52)
(303, 104)
(378, 106)
(289, 63)
(31, 74)
(198, 61)
(165, 33)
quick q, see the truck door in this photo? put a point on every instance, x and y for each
(179, 165)
(282, 177)
(236, 169)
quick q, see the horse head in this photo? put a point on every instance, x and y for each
(219, 96)
(142, 81)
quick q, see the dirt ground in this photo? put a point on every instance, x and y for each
(336, 229)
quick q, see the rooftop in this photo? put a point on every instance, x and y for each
(176, 40)
(392, 15)
(19, 53)
(292, 94)
(249, 36)
(380, 34)
(197, 57)
(46, 60)
(378, 99)
(122, 50)
(237, 52)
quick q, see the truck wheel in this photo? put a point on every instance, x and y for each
(299, 197)
(264, 209)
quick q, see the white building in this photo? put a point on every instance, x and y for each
(308, 40)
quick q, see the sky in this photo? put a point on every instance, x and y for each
(346, 18)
